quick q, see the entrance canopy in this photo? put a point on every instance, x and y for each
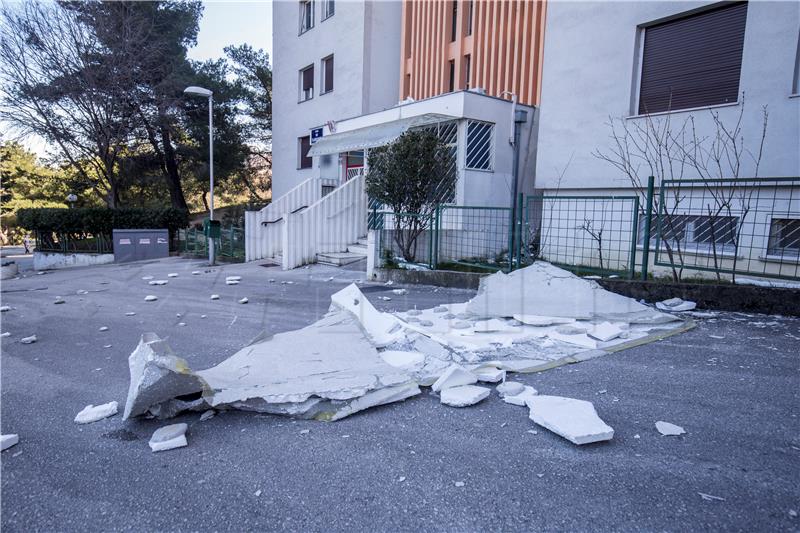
(371, 136)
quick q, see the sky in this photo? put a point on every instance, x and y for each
(234, 22)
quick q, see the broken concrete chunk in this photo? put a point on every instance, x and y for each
(172, 275)
(440, 309)
(575, 420)
(207, 414)
(399, 292)
(59, 300)
(490, 374)
(158, 282)
(196, 272)
(676, 305)
(404, 360)
(130, 313)
(215, 296)
(150, 298)
(5, 334)
(93, 413)
(667, 429)
(454, 376)
(580, 339)
(382, 328)
(169, 437)
(493, 325)
(7, 441)
(604, 332)
(464, 395)
(510, 388)
(233, 278)
(28, 340)
(103, 328)
(231, 282)
(4, 309)
(522, 398)
(244, 300)
(147, 278)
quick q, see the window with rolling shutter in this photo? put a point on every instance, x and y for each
(693, 61)
(303, 146)
(327, 75)
(306, 83)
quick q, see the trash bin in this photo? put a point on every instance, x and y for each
(212, 228)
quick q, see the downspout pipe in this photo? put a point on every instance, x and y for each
(520, 118)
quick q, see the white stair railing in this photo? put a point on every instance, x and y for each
(263, 229)
(329, 225)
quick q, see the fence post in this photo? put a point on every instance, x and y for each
(436, 226)
(519, 231)
(648, 215)
(634, 237)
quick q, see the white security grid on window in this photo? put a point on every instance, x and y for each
(306, 15)
(784, 237)
(328, 9)
(479, 145)
(694, 233)
(448, 134)
(306, 83)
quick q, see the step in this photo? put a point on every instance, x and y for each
(357, 249)
(362, 241)
(339, 258)
(277, 260)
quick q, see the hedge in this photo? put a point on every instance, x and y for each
(101, 220)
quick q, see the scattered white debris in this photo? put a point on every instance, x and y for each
(130, 313)
(196, 272)
(169, 437)
(304, 431)
(257, 493)
(575, 420)
(454, 376)
(59, 300)
(215, 296)
(389, 283)
(490, 374)
(4, 309)
(233, 278)
(244, 300)
(271, 280)
(579, 339)
(103, 328)
(399, 292)
(147, 278)
(459, 483)
(767, 283)
(158, 282)
(7, 441)
(667, 429)
(604, 332)
(792, 513)
(464, 395)
(93, 413)
(150, 298)
(231, 282)
(637, 436)
(28, 340)
(210, 413)
(404, 360)
(181, 324)
(81, 291)
(510, 388)
(675, 305)
(172, 275)
(492, 325)
(711, 497)
(106, 346)
(401, 479)
(533, 432)
(522, 398)
(203, 316)
(718, 337)
(384, 298)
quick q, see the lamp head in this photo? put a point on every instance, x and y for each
(198, 91)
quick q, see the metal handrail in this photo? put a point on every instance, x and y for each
(268, 222)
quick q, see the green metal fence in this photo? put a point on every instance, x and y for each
(229, 245)
(473, 238)
(729, 226)
(405, 240)
(73, 242)
(585, 234)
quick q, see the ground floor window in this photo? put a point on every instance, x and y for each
(700, 233)
(303, 146)
(479, 145)
(784, 237)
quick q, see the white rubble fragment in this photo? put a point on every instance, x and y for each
(4, 309)
(384, 298)
(575, 420)
(389, 283)
(382, 328)
(493, 325)
(403, 360)
(459, 483)
(668, 429)
(233, 278)
(604, 332)
(538, 320)
(130, 313)
(676, 305)
(522, 398)
(231, 282)
(150, 298)
(59, 300)
(257, 493)
(7, 441)
(103, 328)
(304, 431)
(147, 278)
(489, 374)
(244, 300)
(510, 388)
(172, 275)
(93, 413)
(5, 334)
(106, 346)
(401, 479)
(158, 282)
(28, 340)
(464, 395)
(399, 292)
(196, 272)
(215, 296)
(181, 324)
(207, 415)
(454, 376)
(203, 316)
(169, 437)
(711, 497)
(581, 339)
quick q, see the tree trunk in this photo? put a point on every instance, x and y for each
(173, 177)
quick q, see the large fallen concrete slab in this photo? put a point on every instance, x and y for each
(575, 420)
(548, 291)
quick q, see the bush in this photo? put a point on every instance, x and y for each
(101, 220)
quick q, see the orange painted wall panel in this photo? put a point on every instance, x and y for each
(505, 47)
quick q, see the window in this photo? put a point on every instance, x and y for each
(784, 237)
(479, 145)
(306, 15)
(303, 146)
(328, 9)
(448, 134)
(693, 232)
(454, 21)
(327, 75)
(307, 83)
(469, 17)
(796, 79)
(693, 61)
(467, 69)
(452, 75)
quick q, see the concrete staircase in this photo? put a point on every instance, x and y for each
(355, 252)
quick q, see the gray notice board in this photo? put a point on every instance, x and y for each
(138, 244)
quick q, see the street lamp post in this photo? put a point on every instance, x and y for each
(72, 198)
(199, 91)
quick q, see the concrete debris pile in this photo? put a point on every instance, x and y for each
(357, 357)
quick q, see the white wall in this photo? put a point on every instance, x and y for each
(589, 67)
(364, 37)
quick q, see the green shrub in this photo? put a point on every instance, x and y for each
(101, 220)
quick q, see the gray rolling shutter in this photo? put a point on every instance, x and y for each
(693, 61)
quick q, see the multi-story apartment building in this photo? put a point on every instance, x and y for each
(332, 60)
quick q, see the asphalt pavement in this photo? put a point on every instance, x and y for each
(733, 382)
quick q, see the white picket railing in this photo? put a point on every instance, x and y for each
(265, 240)
(329, 225)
